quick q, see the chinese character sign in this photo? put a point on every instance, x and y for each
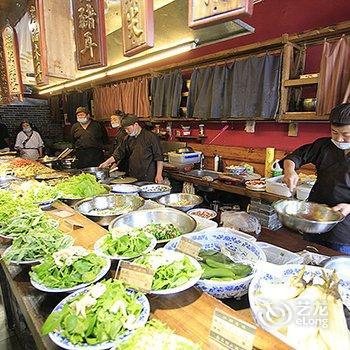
(90, 33)
(137, 26)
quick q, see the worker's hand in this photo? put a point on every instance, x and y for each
(106, 164)
(344, 208)
(158, 179)
(291, 179)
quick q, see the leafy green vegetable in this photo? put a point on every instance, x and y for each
(80, 186)
(39, 192)
(171, 269)
(36, 244)
(161, 231)
(68, 268)
(218, 267)
(101, 314)
(156, 335)
(128, 243)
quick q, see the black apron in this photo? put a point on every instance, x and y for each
(88, 157)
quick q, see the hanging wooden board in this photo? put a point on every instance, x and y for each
(137, 26)
(202, 13)
(37, 34)
(4, 91)
(90, 33)
(11, 61)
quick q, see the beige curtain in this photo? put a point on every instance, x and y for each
(129, 97)
(334, 77)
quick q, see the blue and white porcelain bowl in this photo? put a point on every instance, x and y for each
(243, 248)
(282, 273)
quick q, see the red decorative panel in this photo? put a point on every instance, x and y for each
(137, 26)
(90, 33)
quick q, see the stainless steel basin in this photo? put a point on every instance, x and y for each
(201, 173)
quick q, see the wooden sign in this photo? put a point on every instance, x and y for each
(4, 90)
(134, 275)
(137, 26)
(188, 247)
(202, 13)
(11, 60)
(37, 35)
(229, 332)
(90, 33)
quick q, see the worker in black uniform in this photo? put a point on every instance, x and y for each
(143, 151)
(89, 138)
(331, 156)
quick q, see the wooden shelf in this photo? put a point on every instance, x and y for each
(303, 116)
(300, 82)
(192, 138)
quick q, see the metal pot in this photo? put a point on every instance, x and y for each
(100, 173)
(308, 104)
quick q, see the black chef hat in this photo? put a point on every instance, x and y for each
(128, 119)
(82, 109)
(340, 115)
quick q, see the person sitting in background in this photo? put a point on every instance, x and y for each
(331, 156)
(4, 138)
(89, 138)
(142, 149)
(29, 142)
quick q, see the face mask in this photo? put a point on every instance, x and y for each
(342, 145)
(115, 125)
(83, 120)
(27, 130)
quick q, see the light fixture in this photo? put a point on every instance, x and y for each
(124, 67)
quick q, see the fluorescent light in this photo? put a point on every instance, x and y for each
(165, 53)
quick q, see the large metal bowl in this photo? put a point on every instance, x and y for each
(172, 200)
(100, 173)
(126, 204)
(142, 218)
(306, 217)
(154, 191)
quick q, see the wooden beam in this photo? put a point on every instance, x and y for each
(301, 82)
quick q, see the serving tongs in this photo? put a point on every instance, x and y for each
(64, 153)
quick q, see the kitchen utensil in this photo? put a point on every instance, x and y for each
(154, 191)
(181, 201)
(123, 180)
(125, 189)
(100, 173)
(65, 153)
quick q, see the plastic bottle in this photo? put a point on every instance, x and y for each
(276, 169)
(216, 162)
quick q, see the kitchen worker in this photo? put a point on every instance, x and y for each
(143, 151)
(29, 142)
(89, 138)
(331, 156)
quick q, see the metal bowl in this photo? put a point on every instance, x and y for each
(100, 173)
(126, 203)
(172, 200)
(125, 189)
(6, 180)
(67, 163)
(142, 218)
(154, 191)
(341, 264)
(306, 217)
(73, 201)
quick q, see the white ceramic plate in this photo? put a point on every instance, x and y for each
(211, 214)
(98, 250)
(64, 343)
(44, 288)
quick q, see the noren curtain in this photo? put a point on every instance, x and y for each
(244, 88)
(334, 77)
(166, 94)
(129, 97)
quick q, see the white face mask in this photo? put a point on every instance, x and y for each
(342, 145)
(115, 125)
(83, 120)
(27, 130)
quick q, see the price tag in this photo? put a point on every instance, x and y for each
(62, 213)
(188, 247)
(229, 332)
(73, 224)
(134, 275)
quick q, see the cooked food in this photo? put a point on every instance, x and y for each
(181, 203)
(206, 214)
(24, 168)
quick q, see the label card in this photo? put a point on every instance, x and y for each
(62, 213)
(229, 332)
(188, 247)
(134, 275)
(73, 224)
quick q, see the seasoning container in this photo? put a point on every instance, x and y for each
(201, 129)
(276, 169)
(269, 158)
(216, 162)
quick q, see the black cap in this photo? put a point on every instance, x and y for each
(128, 120)
(83, 110)
(340, 115)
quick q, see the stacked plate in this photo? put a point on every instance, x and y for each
(256, 185)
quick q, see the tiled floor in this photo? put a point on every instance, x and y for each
(8, 340)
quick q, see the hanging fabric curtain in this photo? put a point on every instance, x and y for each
(166, 94)
(129, 97)
(206, 95)
(75, 100)
(334, 77)
(252, 87)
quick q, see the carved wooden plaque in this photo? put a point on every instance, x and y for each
(137, 26)
(37, 34)
(11, 58)
(90, 33)
(203, 13)
(4, 91)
